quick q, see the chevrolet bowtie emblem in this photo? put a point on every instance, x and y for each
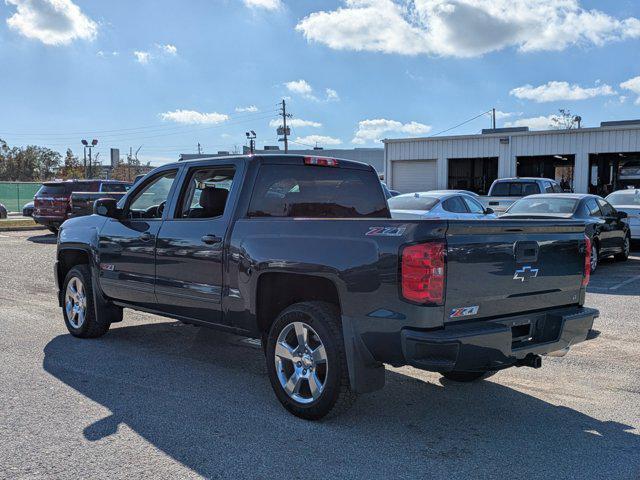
(525, 273)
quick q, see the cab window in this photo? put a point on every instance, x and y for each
(150, 200)
(205, 193)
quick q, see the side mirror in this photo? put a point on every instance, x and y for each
(488, 211)
(106, 207)
(622, 215)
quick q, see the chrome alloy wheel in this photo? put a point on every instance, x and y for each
(594, 257)
(301, 362)
(75, 302)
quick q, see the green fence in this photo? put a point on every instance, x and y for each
(15, 194)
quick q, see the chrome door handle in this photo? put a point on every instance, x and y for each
(210, 239)
(146, 236)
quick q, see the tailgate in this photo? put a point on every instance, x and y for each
(505, 267)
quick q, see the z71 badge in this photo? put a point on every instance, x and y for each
(386, 231)
(464, 311)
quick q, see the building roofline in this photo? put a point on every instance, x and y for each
(475, 136)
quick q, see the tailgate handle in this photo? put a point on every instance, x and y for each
(494, 203)
(526, 252)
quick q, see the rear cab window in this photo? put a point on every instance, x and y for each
(317, 192)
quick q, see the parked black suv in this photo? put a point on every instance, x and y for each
(301, 253)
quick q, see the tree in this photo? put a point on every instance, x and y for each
(29, 163)
(72, 167)
(565, 120)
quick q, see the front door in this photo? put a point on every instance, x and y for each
(190, 247)
(126, 246)
(614, 225)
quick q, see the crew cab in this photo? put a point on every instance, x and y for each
(301, 253)
(505, 191)
(52, 202)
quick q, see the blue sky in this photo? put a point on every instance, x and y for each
(166, 75)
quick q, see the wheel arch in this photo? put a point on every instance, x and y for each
(275, 291)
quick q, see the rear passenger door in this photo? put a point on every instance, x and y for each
(190, 248)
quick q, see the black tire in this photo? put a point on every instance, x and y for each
(93, 325)
(595, 248)
(336, 395)
(466, 377)
(626, 249)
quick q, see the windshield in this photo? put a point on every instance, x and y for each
(625, 198)
(544, 205)
(412, 202)
(48, 189)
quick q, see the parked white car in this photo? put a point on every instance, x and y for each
(628, 201)
(443, 204)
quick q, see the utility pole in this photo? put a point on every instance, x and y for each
(493, 118)
(199, 149)
(94, 142)
(285, 130)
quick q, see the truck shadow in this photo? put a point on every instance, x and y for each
(45, 238)
(204, 399)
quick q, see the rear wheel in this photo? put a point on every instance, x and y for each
(626, 249)
(466, 377)
(79, 309)
(306, 361)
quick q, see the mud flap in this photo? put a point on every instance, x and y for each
(106, 312)
(365, 373)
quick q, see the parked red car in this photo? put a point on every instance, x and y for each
(52, 203)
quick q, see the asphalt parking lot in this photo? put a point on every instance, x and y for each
(155, 398)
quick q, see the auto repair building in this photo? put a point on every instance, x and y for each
(583, 160)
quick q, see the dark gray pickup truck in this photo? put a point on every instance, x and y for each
(301, 253)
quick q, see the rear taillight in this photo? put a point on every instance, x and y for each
(321, 161)
(587, 262)
(423, 273)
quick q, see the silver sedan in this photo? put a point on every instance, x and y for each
(436, 204)
(628, 201)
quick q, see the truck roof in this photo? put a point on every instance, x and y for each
(280, 159)
(525, 179)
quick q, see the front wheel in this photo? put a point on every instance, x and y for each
(79, 309)
(306, 361)
(626, 250)
(466, 377)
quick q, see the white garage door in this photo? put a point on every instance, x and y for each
(414, 175)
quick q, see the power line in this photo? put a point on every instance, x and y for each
(460, 124)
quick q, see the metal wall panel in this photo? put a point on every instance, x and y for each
(414, 175)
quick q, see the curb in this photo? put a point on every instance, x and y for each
(20, 229)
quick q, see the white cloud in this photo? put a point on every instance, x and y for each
(53, 22)
(555, 91)
(102, 53)
(374, 130)
(168, 49)
(295, 123)
(142, 57)
(534, 123)
(264, 4)
(320, 140)
(304, 89)
(500, 115)
(633, 85)
(332, 95)
(301, 87)
(250, 109)
(191, 117)
(463, 28)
